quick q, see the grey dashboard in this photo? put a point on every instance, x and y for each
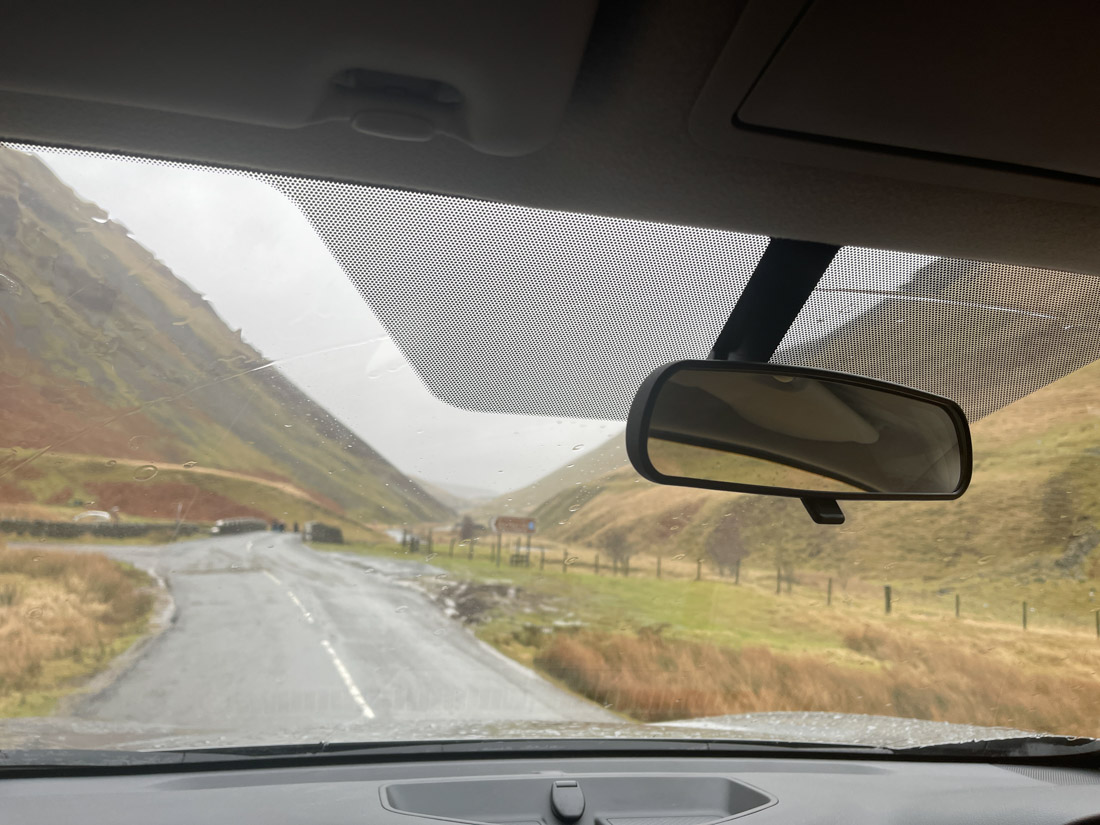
(615, 791)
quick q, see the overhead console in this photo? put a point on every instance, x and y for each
(494, 75)
(1003, 96)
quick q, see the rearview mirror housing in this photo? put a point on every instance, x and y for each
(779, 430)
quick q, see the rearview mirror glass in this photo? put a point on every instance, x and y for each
(765, 428)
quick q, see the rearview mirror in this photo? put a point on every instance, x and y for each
(791, 431)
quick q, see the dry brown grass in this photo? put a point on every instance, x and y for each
(62, 616)
(881, 672)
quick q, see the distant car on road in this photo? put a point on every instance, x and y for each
(316, 531)
(229, 526)
(92, 515)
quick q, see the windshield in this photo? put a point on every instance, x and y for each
(291, 461)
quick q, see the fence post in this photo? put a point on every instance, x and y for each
(564, 556)
(596, 566)
(542, 558)
(498, 554)
(790, 579)
(452, 547)
(698, 570)
(887, 592)
(626, 566)
(658, 567)
(829, 592)
(470, 550)
(614, 565)
(528, 542)
(737, 572)
(778, 580)
(957, 605)
(1024, 614)
(404, 537)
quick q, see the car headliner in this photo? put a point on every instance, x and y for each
(627, 144)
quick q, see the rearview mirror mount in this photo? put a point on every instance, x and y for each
(778, 430)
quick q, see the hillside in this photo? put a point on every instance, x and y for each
(105, 352)
(585, 469)
(1033, 508)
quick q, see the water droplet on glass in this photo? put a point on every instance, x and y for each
(100, 220)
(571, 560)
(136, 441)
(145, 472)
(9, 285)
(288, 426)
(678, 556)
(402, 609)
(578, 447)
(985, 559)
(111, 462)
(574, 508)
(187, 465)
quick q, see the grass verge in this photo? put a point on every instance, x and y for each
(677, 648)
(63, 617)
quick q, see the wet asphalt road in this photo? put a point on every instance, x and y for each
(270, 636)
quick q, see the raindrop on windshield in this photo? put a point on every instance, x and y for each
(574, 508)
(578, 447)
(145, 472)
(187, 465)
(111, 462)
(402, 609)
(9, 285)
(678, 556)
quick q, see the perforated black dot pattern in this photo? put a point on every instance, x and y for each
(508, 309)
(983, 334)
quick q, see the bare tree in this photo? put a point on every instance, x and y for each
(615, 543)
(466, 529)
(724, 546)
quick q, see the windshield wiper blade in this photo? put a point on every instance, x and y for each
(72, 761)
(1022, 747)
(474, 747)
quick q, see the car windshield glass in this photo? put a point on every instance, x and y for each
(286, 461)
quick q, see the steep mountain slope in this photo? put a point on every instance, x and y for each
(104, 352)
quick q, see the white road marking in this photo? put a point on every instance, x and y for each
(293, 598)
(301, 607)
(349, 683)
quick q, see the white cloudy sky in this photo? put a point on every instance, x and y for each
(253, 255)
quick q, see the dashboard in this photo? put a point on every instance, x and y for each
(584, 791)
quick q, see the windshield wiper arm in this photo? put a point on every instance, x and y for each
(1064, 748)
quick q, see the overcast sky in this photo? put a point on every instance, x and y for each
(253, 255)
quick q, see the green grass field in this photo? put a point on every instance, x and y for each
(644, 641)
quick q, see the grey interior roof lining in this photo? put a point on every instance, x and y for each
(622, 149)
(510, 309)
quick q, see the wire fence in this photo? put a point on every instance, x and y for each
(524, 551)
